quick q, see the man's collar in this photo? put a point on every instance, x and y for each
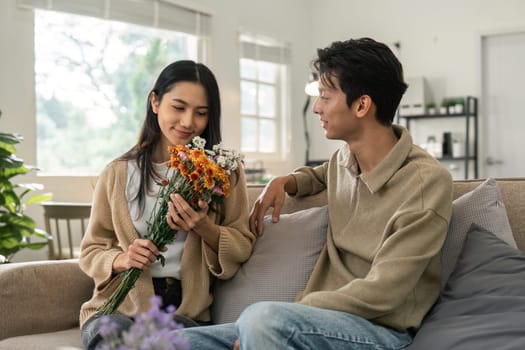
(379, 175)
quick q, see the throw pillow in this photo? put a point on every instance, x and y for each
(279, 267)
(483, 303)
(482, 206)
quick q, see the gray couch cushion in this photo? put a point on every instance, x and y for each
(483, 303)
(482, 206)
(279, 266)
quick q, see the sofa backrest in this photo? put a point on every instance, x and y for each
(44, 296)
(512, 189)
(513, 193)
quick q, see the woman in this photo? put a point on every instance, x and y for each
(210, 243)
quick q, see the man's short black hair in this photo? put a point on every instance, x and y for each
(364, 67)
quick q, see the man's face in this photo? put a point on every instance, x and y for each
(337, 119)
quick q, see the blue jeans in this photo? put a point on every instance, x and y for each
(90, 332)
(277, 325)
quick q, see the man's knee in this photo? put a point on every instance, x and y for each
(260, 317)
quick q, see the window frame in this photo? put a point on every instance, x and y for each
(149, 13)
(264, 49)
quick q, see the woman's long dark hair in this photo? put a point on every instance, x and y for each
(150, 134)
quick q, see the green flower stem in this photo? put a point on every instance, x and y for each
(160, 234)
(111, 305)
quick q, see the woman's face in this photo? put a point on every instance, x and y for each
(182, 113)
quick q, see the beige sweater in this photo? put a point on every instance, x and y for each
(111, 231)
(381, 260)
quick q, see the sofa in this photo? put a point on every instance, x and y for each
(40, 301)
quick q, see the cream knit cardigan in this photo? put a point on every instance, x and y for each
(111, 231)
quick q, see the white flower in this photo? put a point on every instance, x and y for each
(217, 148)
(223, 162)
(198, 142)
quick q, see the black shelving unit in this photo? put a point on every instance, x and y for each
(470, 114)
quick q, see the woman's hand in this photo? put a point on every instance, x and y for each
(140, 254)
(183, 217)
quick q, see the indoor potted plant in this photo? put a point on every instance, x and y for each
(16, 228)
(443, 108)
(431, 107)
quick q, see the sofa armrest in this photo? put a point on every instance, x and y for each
(41, 296)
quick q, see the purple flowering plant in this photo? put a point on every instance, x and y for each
(152, 330)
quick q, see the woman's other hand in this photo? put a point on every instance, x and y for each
(140, 254)
(183, 217)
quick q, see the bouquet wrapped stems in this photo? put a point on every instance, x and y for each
(159, 232)
(112, 304)
(159, 225)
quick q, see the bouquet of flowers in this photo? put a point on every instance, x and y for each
(151, 330)
(197, 174)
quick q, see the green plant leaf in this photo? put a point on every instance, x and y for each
(26, 223)
(11, 162)
(10, 243)
(6, 150)
(30, 187)
(16, 229)
(10, 172)
(19, 222)
(10, 238)
(34, 246)
(9, 246)
(39, 198)
(10, 201)
(42, 234)
(11, 138)
(8, 232)
(31, 168)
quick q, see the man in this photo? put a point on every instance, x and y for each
(389, 205)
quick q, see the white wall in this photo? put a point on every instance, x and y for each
(439, 40)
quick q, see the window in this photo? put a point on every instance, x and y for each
(93, 74)
(263, 92)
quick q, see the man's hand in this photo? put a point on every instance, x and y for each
(273, 195)
(237, 345)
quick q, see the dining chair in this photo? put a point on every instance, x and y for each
(66, 223)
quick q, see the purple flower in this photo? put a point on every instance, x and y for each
(151, 330)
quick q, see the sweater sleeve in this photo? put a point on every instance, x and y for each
(99, 246)
(310, 180)
(235, 238)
